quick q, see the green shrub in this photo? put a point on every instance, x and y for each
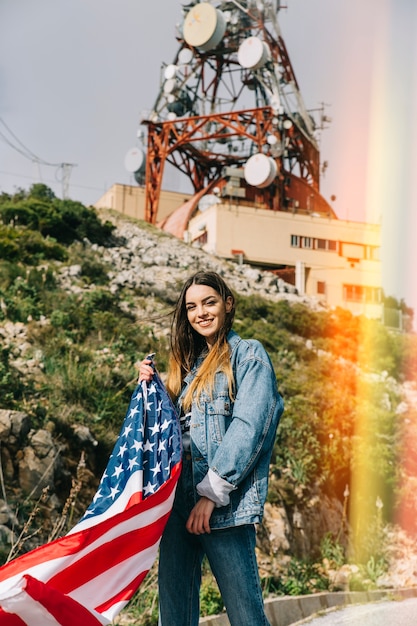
(28, 246)
(332, 551)
(298, 578)
(94, 272)
(211, 602)
(27, 294)
(63, 220)
(12, 386)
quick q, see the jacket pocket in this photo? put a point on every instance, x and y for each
(219, 415)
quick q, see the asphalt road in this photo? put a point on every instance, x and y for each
(386, 613)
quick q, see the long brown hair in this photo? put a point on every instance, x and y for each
(187, 344)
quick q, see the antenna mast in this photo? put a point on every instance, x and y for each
(230, 100)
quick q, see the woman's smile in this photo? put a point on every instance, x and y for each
(206, 311)
(205, 322)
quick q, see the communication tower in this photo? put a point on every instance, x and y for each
(229, 113)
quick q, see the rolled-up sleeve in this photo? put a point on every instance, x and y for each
(215, 488)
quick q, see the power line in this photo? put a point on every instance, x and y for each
(23, 150)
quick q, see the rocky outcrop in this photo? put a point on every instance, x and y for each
(33, 464)
(296, 529)
(38, 463)
(157, 263)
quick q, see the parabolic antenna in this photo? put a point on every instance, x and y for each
(204, 26)
(207, 201)
(169, 85)
(170, 71)
(135, 160)
(185, 56)
(260, 170)
(253, 53)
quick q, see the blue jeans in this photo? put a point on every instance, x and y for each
(231, 554)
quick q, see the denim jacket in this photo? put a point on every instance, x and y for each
(232, 440)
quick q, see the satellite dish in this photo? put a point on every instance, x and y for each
(204, 26)
(207, 201)
(260, 170)
(185, 56)
(170, 71)
(169, 85)
(135, 160)
(253, 53)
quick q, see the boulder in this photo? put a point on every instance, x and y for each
(38, 463)
(14, 426)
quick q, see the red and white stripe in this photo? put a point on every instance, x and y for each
(96, 566)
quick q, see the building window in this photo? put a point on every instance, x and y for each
(311, 243)
(373, 253)
(353, 293)
(360, 293)
(326, 244)
(201, 239)
(373, 294)
(321, 287)
(352, 251)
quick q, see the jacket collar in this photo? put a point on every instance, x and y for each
(233, 339)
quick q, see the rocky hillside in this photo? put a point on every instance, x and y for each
(107, 305)
(146, 259)
(145, 267)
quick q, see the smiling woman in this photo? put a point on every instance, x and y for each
(228, 433)
(206, 311)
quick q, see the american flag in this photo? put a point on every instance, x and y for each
(90, 574)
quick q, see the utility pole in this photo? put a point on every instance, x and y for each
(66, 169)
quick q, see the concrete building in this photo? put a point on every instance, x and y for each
(130, 200)
(336, 261)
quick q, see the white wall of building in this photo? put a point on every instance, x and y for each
(334, 260)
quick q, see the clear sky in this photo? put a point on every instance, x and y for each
(75, 77)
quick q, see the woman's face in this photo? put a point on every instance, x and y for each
(206, 311)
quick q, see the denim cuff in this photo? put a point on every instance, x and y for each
(215, 488)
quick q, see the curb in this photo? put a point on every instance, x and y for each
(289, 610)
